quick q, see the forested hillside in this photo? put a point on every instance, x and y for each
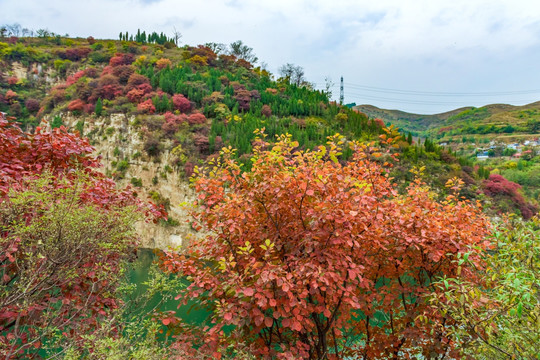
(191, 101)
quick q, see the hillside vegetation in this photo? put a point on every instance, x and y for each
(318, 232)
(188, 102)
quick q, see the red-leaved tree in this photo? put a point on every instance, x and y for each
(181, 103)
(65, 230)
(309, 258)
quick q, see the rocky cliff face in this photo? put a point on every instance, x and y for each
(120, 145)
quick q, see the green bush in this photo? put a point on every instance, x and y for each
(137, 182)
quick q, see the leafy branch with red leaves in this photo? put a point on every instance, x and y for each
(65, 231)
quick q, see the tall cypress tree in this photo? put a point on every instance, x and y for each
(99, 107)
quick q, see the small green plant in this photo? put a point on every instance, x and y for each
(109, 131)
(116, 152)
(57, 122)
(137, 182)
(122, 166)
(170, 222)
(155, 180)
(80, 127)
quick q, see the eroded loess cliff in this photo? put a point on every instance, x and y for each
(121, 146)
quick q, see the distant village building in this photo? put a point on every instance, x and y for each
(482, 155)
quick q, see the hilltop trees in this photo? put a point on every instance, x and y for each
(293, 73)
(242, 51)
(309, 258)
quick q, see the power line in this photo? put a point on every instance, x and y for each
(421, 102)
(435, 93)
(405, 101)
(442, 98)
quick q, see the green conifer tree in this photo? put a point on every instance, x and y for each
(99, 107)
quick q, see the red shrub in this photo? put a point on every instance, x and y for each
(172, 122)
(243, 97)
(135, 95)
(78, 53)
(135, 80)
(146, 107)
(201, 142)
(75, 77)
(196, 118)
(123, 73)
(107, 70)
(503, 190)
(188, 168)
(266, 111)
(177, 119)
(76, 105)
(145, 88)
(109, 92)
(12, 80)
(181, 103)
(379, 122)
(32, 105)
(73, 285)
(108, 88)
(89, 108)
(11, 96)
(245, 64)
(121, 59)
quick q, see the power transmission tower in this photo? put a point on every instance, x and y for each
(341, 94)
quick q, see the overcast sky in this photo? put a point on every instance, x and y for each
(423, 56)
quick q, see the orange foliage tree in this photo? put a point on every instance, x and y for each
(310, 258)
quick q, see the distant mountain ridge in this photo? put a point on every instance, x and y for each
(493, 117)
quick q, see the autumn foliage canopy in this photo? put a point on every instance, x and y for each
(311, 258)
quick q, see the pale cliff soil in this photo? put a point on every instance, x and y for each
(128, 141)
(115, 132)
